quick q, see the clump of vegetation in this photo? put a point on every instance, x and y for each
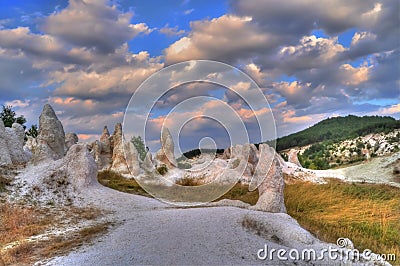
(190, 181)
(184, 165)
(162, 169)
(4, 182)
(116, 181)
(140, 147)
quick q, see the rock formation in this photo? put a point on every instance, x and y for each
(131, 156)
(166, 153)
(51, 138)
(80, 167)
(292, 157)
(147, 164)
(118, 157)
(102, 150)
(70, 139)
(11, 145)
(60, 181)
(5, 158)
(272, 185)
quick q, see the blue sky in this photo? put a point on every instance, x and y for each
(312, 60)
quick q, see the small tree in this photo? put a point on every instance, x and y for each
(139, 145)
(9, 117)
(33, 131)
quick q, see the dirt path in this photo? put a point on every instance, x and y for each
(151, 232)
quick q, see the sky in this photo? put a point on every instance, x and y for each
(311, 59)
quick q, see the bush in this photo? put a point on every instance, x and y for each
(184, 165)
(162, 169)
(139, 145)
(189, 181)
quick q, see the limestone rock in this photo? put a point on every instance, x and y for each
(105, 135)
(80, 167)
(132, 160)
(70, 139)
(148, 162)
(12, 143)
(31, 144)
(5, 158)
(227, 154)
(166, 153)
(292, 157)
(51, 138)
(118, 157)
(272, 185)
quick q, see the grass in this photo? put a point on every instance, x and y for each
(368, 214)
(118, 182)
(18, 223)
(190, 181)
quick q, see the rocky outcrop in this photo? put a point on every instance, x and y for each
(118, 158)
(71, 139)
(61, 181)
(147, 164)
(51, 138)
(131, 156)
(80, 167)
(272, 185)
(293, 158)
(5, 158)
(11, 145)
(166, 154)
(102, 150)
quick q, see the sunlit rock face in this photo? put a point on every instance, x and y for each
(51, 138)
(12, 145)
(166, 153)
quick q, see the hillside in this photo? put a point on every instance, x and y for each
(337, 129)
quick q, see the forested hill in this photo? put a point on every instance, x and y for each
(338, 128)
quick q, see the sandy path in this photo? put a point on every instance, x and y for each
(152, 232)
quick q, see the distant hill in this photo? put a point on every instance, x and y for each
(337, 129)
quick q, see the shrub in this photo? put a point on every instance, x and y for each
(184, 165)
(162, 169)
(139, 145)
(189, 181)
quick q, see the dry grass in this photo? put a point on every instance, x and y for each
(20, 222)
(118, 182)
(367, 214)
(241, 192)
(190, 181)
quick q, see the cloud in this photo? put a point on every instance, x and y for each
(394, 109)
(219, 39)
(171, 31)
(93, 24)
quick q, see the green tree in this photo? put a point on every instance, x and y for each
(139, 145)
(33, 131)
(9, 117)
